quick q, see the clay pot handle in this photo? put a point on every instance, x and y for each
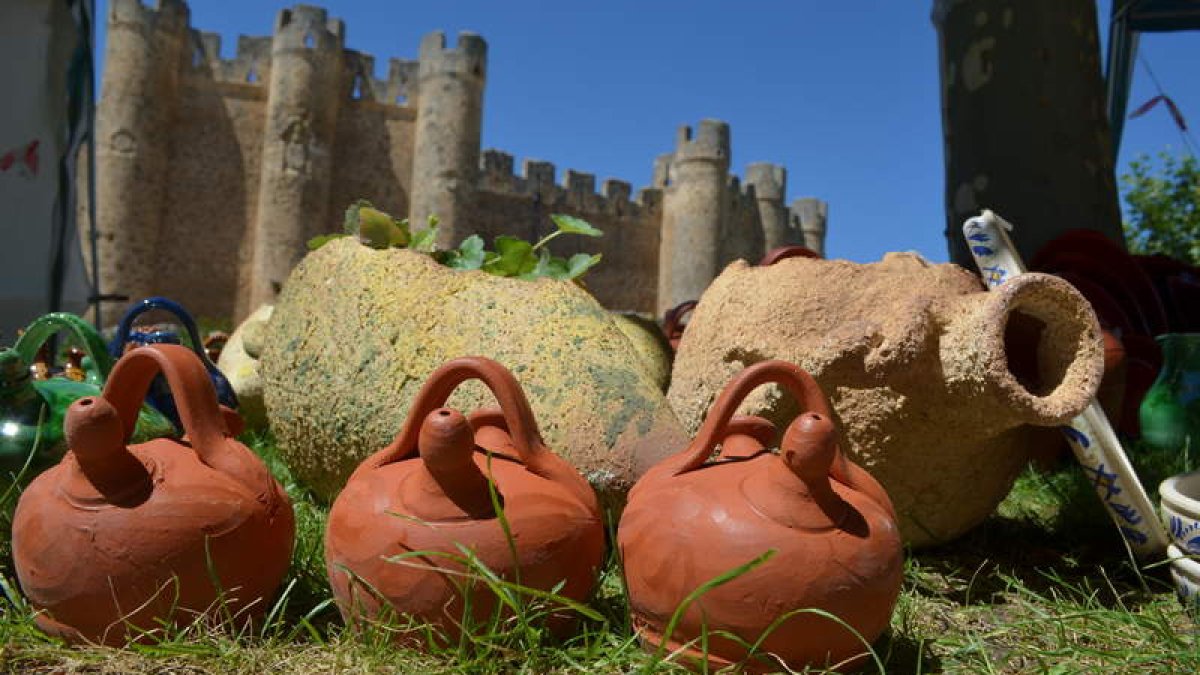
(522, 426)
(795, 379)
(190, 385)
(117, 346)
(673, 320)
(45, 326)
(784, 252)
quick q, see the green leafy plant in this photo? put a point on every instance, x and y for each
(1164, 206)
(512, 257)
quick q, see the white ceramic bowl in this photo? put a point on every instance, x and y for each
(1186, 573)
(1181, 510)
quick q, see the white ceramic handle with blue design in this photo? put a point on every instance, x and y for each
(1090, 434)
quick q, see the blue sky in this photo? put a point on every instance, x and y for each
(844, 94)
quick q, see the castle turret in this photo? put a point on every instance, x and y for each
(693, 212)
(810, 216)
(770, 188)
(145, 54)
(448, 128)
(305, 93)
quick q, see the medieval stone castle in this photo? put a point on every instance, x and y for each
(213, 173)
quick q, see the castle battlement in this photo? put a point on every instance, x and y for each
(468, 57)
(769, 180)
(709, 141)
(308, 27)
(251, 63)
(577, 191)
(164, 13)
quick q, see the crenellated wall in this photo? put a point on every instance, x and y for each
(213, 173)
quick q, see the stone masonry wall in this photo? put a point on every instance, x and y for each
(208, 168)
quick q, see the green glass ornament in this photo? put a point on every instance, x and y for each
(1170, 412)
(32, 411)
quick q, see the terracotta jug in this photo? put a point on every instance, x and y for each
(160, 395)
(429, 492)
(784, 252)
(115, 541)
(33, 403)
(694, 517)
(674, 322)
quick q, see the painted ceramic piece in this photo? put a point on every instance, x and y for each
(160, 395)
(1170, 412)
(783, 252)
(116, 541)
(32, 409)
(1181, 510)
(832, 526)
(431, 491)
(1185, 572)
(674, 323)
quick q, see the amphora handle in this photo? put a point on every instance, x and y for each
(518, 416)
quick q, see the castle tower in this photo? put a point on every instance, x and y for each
(305, 92)
(145, 53)
(694, 204)
(770, 188)
(447, 137)
(811, 215)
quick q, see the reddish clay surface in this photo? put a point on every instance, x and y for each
(694, 517)
(784, 252)
(428, 493)
(116, 541)
(674, 322)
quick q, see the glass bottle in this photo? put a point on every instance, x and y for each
(1170, 412)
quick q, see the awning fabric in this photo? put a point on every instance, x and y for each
(46, 84)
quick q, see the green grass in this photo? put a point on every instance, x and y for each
(1042, 586)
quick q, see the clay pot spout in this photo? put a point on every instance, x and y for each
(446, 444)
(1030, 352)
(96, 436)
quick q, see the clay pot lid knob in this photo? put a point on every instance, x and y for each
(96, 436)
(446, 443)
(808, 449)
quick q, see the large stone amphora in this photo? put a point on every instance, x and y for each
(728, 500)
(935, 384)
(117, 541)
(457, 497)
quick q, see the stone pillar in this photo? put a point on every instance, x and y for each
(811, 215)
(142, 66)
(770, 190)
(447, 138)
(306, 89)
(694, 203)
(1023, 120)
